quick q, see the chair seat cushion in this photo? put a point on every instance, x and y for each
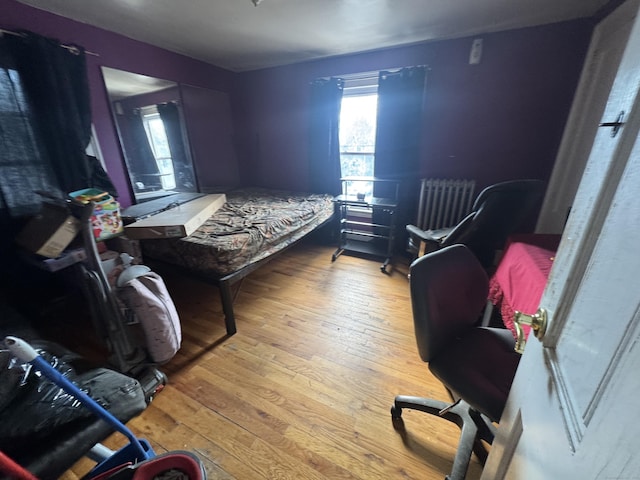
(479, 367)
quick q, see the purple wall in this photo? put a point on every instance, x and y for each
(495, 121)
(119, 52)
(499, 120)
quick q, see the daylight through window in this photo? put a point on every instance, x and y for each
(358, 131)
(157, 136)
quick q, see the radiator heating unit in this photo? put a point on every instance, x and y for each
(444, 202)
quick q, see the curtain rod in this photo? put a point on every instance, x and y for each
(371, 75)
(360, 76)
(71, 48)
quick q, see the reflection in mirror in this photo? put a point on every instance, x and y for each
(150, 122)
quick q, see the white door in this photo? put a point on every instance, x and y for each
(572, 412)
(598, 73)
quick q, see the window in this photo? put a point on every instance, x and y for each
(358, 129)
(159, 143)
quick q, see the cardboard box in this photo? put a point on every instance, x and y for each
(177, 222)
(49, 232)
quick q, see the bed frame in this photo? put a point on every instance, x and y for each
(226, 281)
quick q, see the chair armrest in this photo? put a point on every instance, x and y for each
(436, 236)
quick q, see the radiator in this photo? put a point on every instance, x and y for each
(444, 202)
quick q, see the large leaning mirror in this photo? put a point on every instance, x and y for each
(150, 123)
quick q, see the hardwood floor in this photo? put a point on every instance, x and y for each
(303, 390)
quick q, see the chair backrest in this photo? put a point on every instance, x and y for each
(498, 211)
(449, 289)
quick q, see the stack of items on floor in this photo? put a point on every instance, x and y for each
(42, 428)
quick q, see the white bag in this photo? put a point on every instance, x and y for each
(148, 298)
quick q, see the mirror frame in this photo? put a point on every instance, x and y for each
(136, 93)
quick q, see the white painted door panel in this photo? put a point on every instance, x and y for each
(602, 62)
(571, 411)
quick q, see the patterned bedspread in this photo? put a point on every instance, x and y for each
(252, 225)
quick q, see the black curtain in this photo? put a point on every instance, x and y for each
(324, 142)
(45, 127)
(56, 85)
(170, 115)
(398, 139)
(140, 159)
(24, 167)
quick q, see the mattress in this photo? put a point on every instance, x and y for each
(252, 225)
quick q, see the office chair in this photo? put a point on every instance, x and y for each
(476, 364)
(498, 211)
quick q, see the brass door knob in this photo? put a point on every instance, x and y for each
(537, 322)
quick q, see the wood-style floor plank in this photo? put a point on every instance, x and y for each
(303, 390)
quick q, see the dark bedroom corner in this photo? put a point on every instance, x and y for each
(234, 241)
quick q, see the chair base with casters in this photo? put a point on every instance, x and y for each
(476, 364)
(473, 425)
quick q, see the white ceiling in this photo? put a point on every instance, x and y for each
(236, 35)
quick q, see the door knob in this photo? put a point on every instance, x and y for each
(537, 322)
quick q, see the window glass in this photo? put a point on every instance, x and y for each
(160, 147)
(358, 137)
